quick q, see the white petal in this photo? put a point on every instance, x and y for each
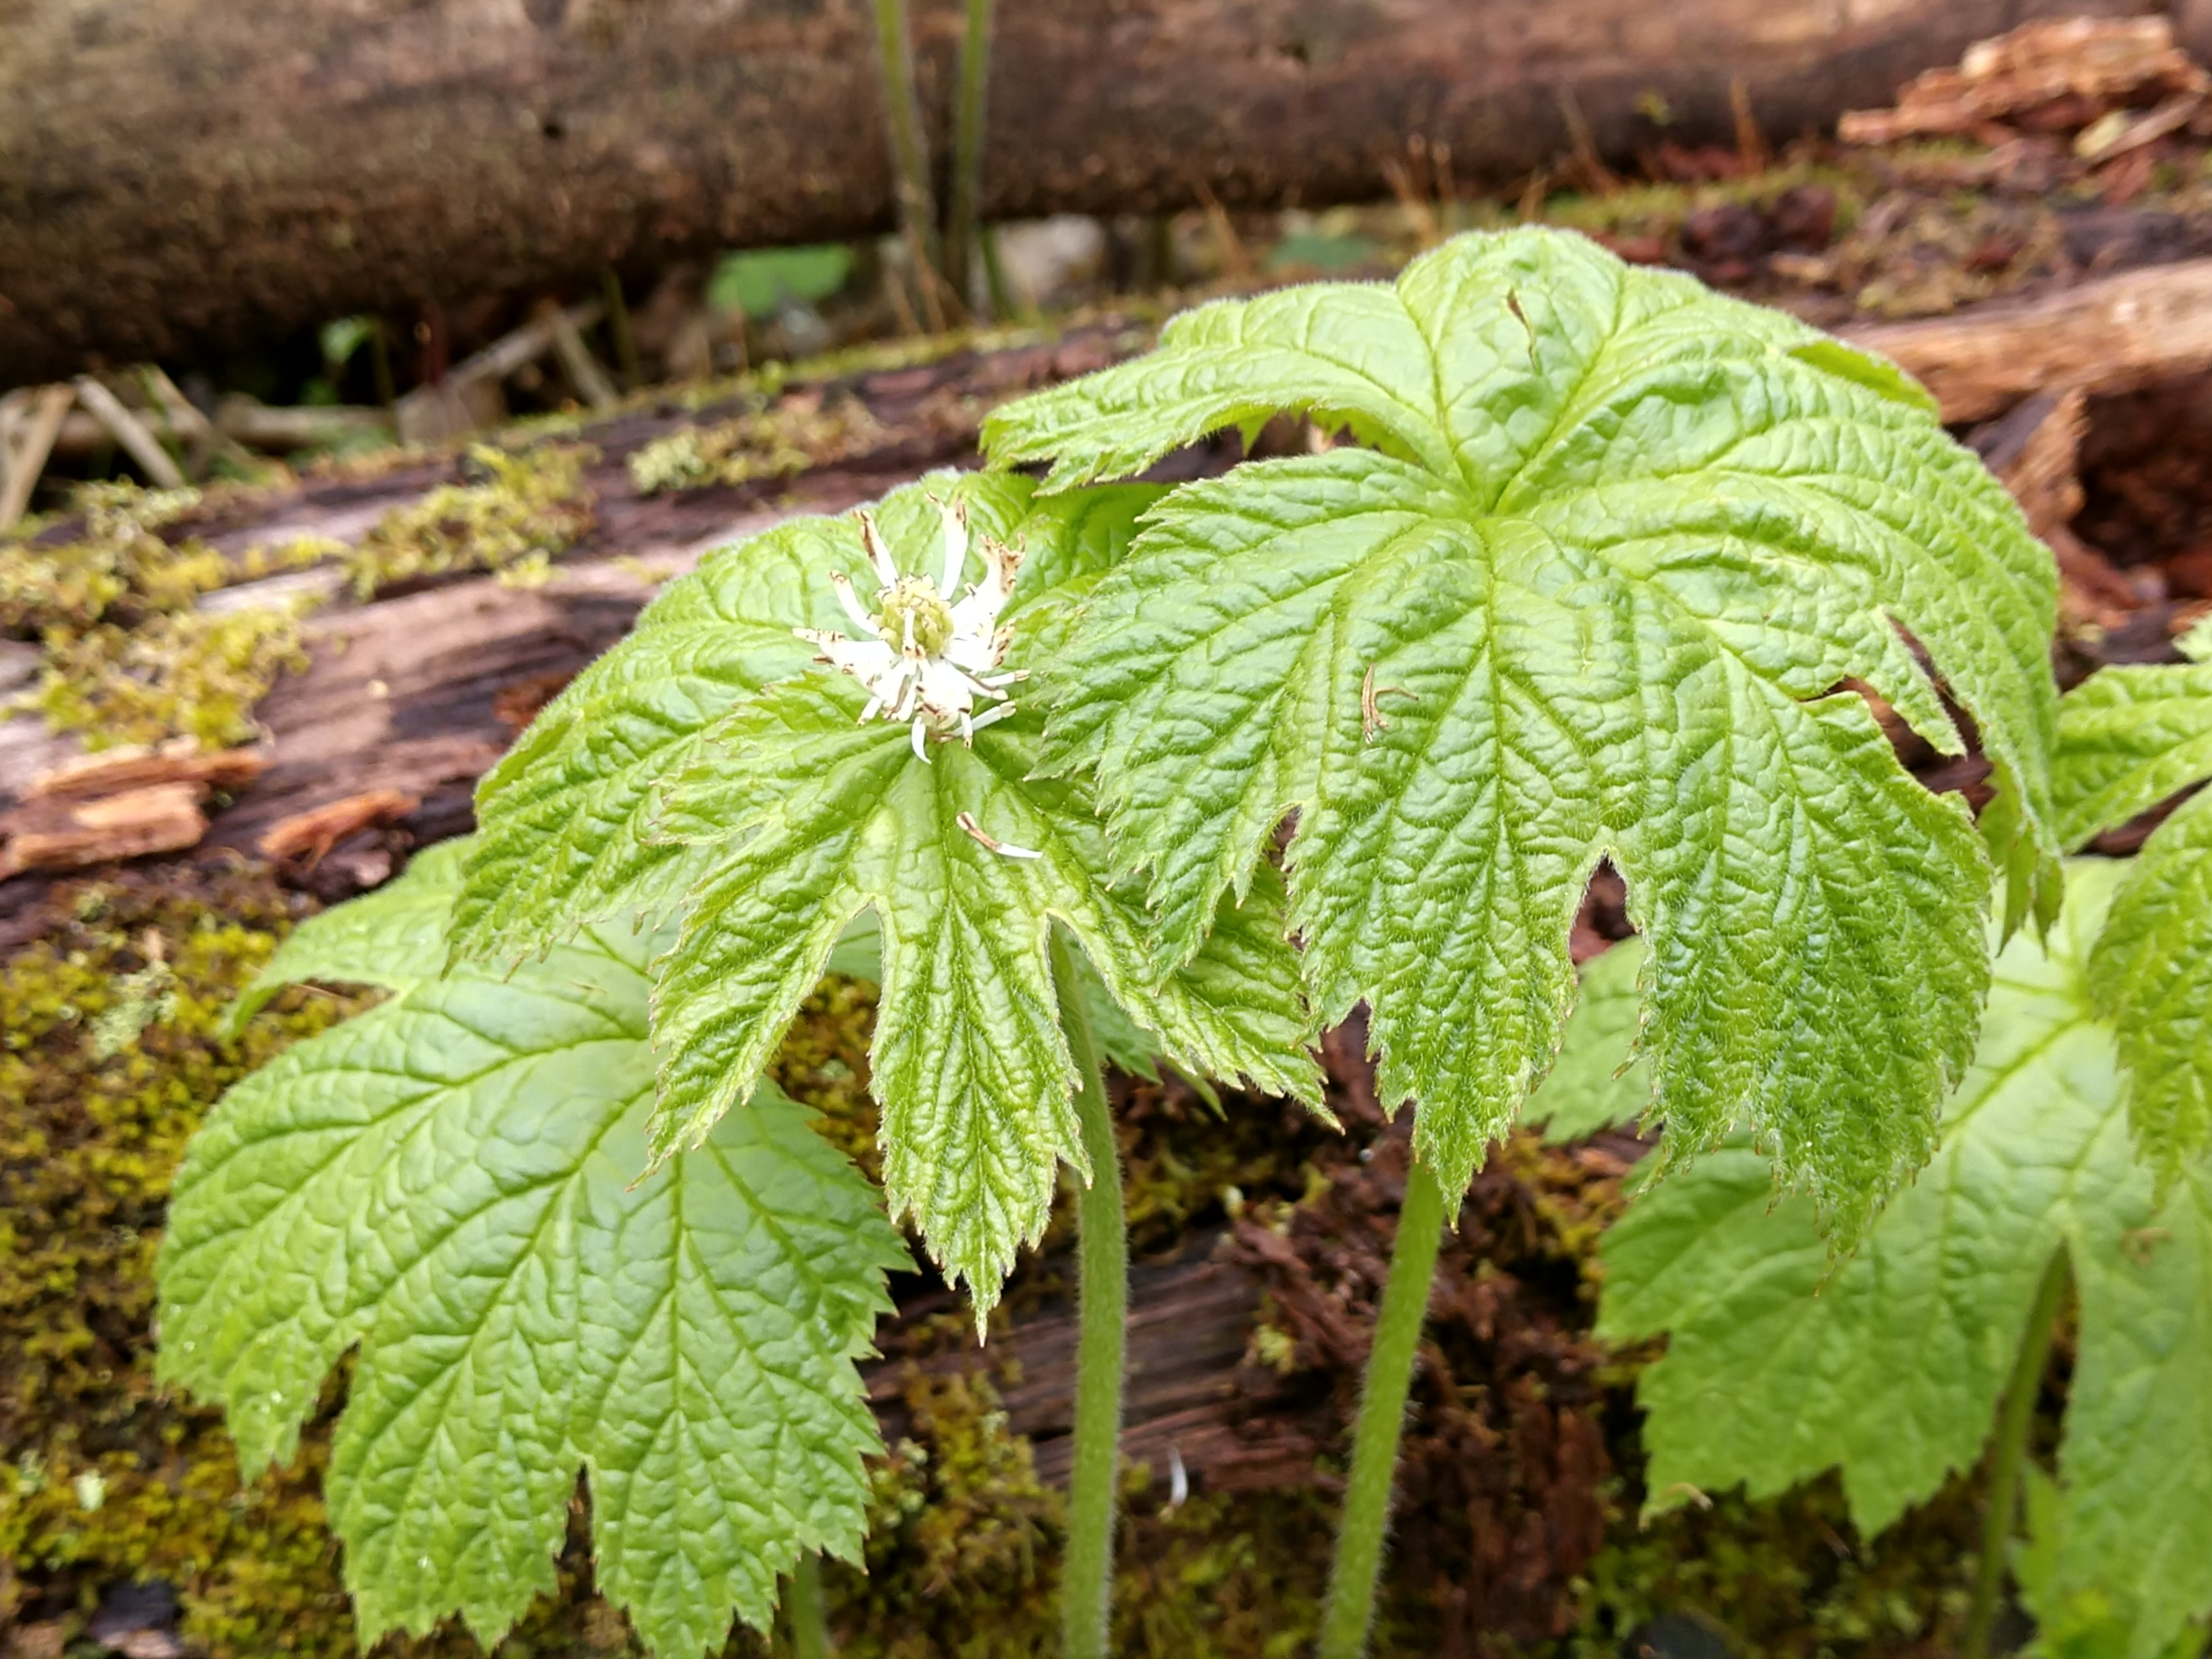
(920, 745)
(956, 547)
(846, 597)
(878, 555)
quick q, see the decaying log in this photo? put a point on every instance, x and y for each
(1188, 1391)
(2109, 334)
(184, 176)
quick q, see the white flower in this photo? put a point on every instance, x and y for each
(924, 657)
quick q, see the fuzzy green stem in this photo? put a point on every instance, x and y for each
(968, 121)
(804, 1609)
(1102, 1318)
(1382, 1416)
(2007, 1453)
(909, 153)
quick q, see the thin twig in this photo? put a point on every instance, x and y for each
(1596, 176)
(124, 428)
(618, 330)
(1750, 141)
(25, 451)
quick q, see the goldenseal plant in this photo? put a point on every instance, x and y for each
(1899, 1366)
(1598, 565)
(770, 759)
(450, 1183)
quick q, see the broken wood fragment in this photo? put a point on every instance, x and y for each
(309, 835)
(62, 833)
(114, 771)
(2042, 76)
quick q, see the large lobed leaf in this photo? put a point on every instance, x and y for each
(774, 819)
(1888, 1367)
(450, 1183)
(2129, 739)
(819, 817)
(1596, 585)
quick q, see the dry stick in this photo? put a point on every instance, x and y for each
(590, 380)
(26, 459)
(962, 216)
(2008, 1451)
(909, 154)
(123, 425)
(185, 421)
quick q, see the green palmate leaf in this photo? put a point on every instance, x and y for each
(565, 817)
(833, 816)
(2128, 739)
(396, 940)
(449, 1182)
(1781, 1364)
(776, 816)
(1597, 584)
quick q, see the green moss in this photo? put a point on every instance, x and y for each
(516, 512)
(113, 1051)
(196, 674)
(125, 657)
(773, 440)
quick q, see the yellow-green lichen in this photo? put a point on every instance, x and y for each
(516, 512)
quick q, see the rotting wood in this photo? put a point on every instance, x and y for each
(1189, 1386)
(309, 835)
(64, 833)
(2109, 334)
(406, 152)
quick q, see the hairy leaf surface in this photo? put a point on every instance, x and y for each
(1597, 584)
(773, 815)
(565, 818)
(2129, 739)
(1781, 1364)
(450, 1183)
(969, 1061)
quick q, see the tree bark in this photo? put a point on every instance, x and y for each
(186, 176)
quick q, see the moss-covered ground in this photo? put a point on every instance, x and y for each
(1520, 1534)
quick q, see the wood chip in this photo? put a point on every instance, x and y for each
(115, 770)
(310, 834)
(2061, 73)
(67, 834)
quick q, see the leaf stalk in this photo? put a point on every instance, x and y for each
(1389, 1377)
(1102, 1314)
(2008, 1453)
(803, 1608)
